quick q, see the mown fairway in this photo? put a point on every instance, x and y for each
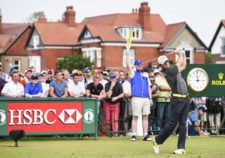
(104, 147)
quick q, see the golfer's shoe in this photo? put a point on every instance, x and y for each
(155, 146)
(133, 138)
(179, 151)
(147, 138)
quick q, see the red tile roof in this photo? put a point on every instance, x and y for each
(58, 33)
(171, 32)
(108, 23)
(11, 31)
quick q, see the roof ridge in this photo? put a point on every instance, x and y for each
(177, 23)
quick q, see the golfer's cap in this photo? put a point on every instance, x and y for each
(162, 59)
(112, 75)
(137, 62)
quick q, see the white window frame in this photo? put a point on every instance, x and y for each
(93, 53)
(17, 65)
(87, 34)
(132, 57)
(36, 41)
(187, 47)
(124, 32)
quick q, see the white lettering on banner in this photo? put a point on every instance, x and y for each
(12, 117)
(27, 116)
(37, 116)
(46, 116)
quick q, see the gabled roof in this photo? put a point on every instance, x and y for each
(222, 24)
(171, 31)
(57, 33)
(104, 26)
(11, 32)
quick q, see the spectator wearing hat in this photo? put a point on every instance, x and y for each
(45, 86)
(141, 97)
(45, 76)
(13, 88)
(88, 76)
(58, 87)
(76, 88)
(33, 88)
(163, 100)
(111, 104)
(194, 121)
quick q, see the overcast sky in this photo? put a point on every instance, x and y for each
(203, 16)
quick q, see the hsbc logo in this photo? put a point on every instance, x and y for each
(70, 116)
(38, 116)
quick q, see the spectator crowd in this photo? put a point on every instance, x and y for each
(113, 91)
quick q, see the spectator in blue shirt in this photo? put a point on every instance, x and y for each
(194, 122)
(33, 88)
(58, 87)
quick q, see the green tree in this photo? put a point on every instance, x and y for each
(208, 58)
(34, 17)
(72, 62)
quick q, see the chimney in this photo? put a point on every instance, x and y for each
(144, 16)
(69, 16)
(1, 31)
(42, 19)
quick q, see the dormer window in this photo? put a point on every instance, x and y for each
(36, 41)
(87, 34)
(124, 31)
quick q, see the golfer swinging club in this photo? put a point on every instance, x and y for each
(179, 102)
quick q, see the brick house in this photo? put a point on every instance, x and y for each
(103, 39)
(217, 45)
(50, 41)
(13, 37)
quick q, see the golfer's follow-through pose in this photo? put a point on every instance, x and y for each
(179, 102)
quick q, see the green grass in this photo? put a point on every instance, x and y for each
(104, 147)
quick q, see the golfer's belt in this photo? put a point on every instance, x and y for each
(180, 95)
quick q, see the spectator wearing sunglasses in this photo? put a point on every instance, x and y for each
(33, 88)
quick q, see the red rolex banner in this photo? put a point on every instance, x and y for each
(45, 116)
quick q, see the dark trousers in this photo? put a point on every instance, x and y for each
(179, 113)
